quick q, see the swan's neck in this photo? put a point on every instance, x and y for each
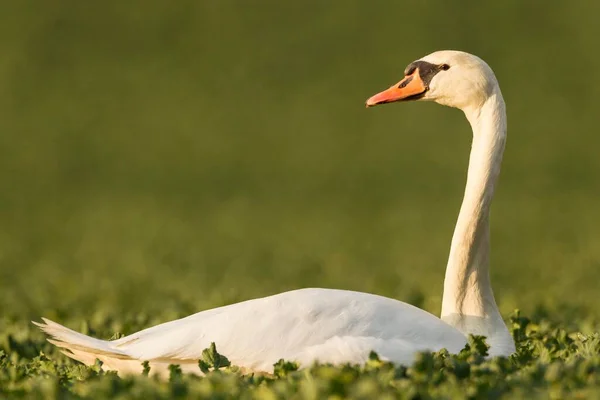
(468, 303)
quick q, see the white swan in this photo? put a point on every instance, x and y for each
(341, 326)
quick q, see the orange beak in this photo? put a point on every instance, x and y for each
(407, 89)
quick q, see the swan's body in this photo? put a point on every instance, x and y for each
(304, 325)
(340, 326)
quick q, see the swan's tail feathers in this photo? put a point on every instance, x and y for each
(86, 349)
(68, 338)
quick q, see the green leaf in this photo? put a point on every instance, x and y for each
(213, 359)
(146, 365)
(174, 372)
(282, 368)
(204, 367)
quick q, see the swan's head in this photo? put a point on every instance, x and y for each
(451, 78)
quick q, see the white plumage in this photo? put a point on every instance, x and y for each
(328, 325)
(339, 326)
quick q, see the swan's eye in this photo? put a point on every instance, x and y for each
(445, 67)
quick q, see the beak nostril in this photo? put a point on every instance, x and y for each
(405, 82)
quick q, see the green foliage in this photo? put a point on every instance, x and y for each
(549, 363)
(160, 160)
(212, 360)
(282, 368)
(146, 369)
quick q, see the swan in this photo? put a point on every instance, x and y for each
(340, 326)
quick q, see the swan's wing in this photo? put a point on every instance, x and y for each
(356, 350)
(302, 325)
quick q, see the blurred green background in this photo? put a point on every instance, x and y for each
(164, 157)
